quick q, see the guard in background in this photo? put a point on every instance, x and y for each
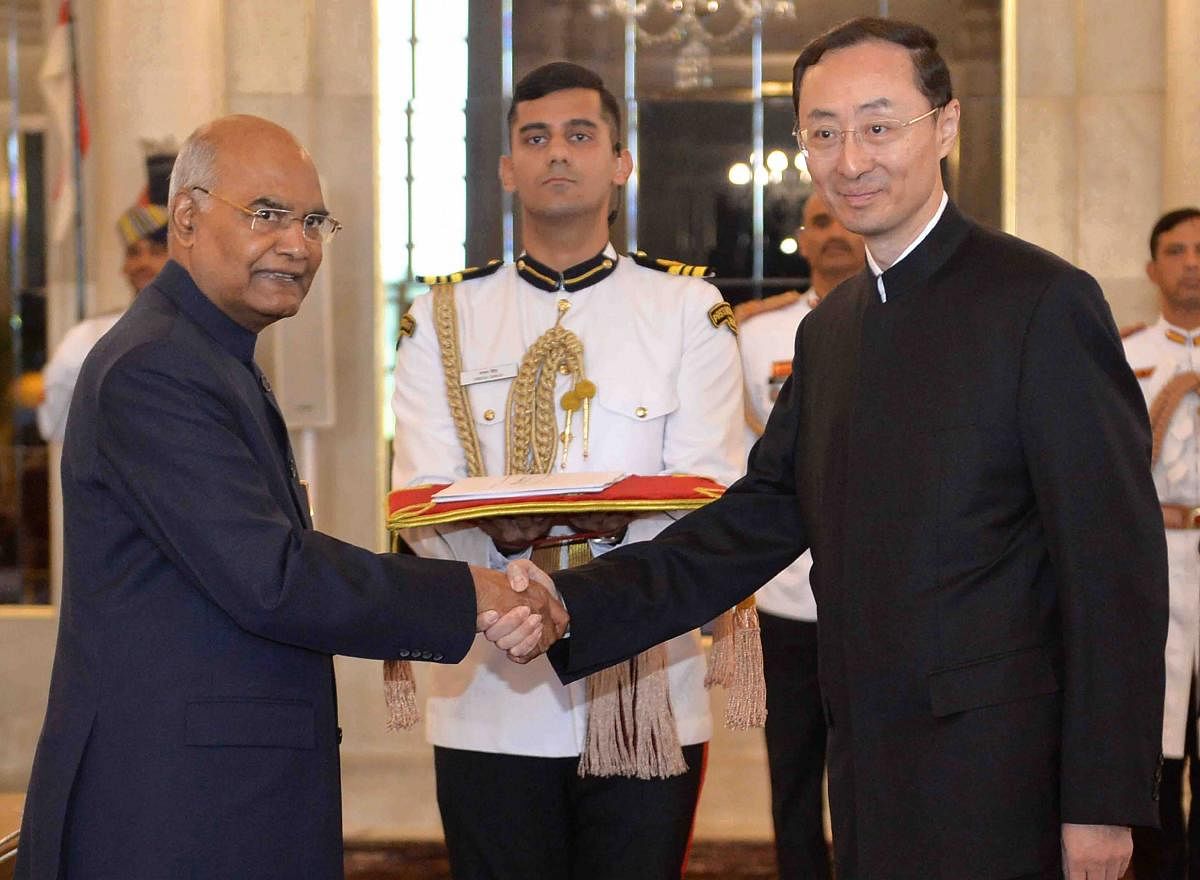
(573, 359)
(143, 232)
(787, 612)
(1165, 356)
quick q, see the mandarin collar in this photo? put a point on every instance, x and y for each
(575, 278)
(1177, 334)
(919, 265)
(177, 283)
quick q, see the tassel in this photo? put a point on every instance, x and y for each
(631, 727)
(746, 701)
(400, 693)
(720, 657)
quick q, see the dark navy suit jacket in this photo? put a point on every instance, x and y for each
(192, 723)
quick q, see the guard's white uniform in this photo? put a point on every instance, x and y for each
(668, 400)
(62, 371)
(766, 340)
(1157, 353)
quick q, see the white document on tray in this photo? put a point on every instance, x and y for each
(526, 486)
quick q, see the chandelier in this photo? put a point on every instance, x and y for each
(688, 24)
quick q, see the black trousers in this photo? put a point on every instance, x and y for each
(1172, 852)
(511, 817)
(795, 746)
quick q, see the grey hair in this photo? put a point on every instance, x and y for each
(196, 164)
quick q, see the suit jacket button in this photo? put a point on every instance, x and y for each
(403, 654)
(426, 655)
(437, 657)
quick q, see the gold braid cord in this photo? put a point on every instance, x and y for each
(752, 421)
(445, 322)
(1163, 407)
(532, 429)
(399, 686)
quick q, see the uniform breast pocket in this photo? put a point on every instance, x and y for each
(632, 422)
(489, 406)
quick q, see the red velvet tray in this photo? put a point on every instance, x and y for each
(635, 494)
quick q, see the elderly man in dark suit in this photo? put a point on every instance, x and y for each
(966, 452)
(192, 723)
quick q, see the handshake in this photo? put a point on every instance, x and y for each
(519, 610)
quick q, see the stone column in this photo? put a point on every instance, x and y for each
(157, 71)
(1046, 193)
(1181, 110)
(1089, 75)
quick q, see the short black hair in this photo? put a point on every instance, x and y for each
(1167, 222)
(932, 74)
(558, 76)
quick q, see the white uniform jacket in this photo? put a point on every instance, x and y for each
(63, 369)
(668, 400)
(767, 342)
(1157, 353)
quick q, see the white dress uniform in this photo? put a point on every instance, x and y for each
(1157, 353)
(668, 400)
(62, 371)
(767, 342)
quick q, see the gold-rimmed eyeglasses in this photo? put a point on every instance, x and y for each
(825, 140)
(264, 220)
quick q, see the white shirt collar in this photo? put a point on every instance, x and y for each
(908, 250)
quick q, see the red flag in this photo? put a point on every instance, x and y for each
(64, 99)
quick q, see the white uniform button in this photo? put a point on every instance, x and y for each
(640, 412)
(489, 415)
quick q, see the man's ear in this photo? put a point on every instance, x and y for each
(947, 122)
(624, 168)
(183, 219)
(506, 174)
(1152, 272)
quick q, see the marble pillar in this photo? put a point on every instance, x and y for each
(1090, 100)
(156, 72)
(1181, 112)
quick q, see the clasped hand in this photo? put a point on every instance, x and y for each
(519, 611)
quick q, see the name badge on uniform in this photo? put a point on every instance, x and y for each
(487, 374)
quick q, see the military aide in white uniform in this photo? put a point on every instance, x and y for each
(795, 728)
(1166, 359)
(660, 350)
(143, 232)
(667, 401)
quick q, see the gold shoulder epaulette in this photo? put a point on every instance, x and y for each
(671, 267)
(747, 309)
(1126, 332)
(462, 274)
